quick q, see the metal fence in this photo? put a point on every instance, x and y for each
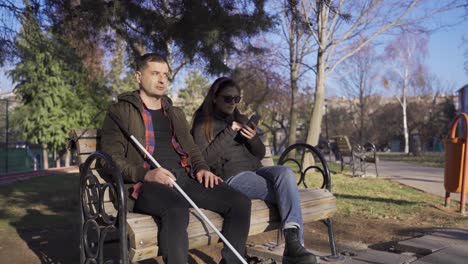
(14, 155)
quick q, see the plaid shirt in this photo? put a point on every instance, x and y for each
(150, 146)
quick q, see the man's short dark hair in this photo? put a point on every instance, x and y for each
(142, 62)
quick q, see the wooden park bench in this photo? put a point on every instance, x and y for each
(358, 156)
(105, 218)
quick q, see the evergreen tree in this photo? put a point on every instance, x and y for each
(50, 82)
(118, 78)
(192, 95)
(204, 31)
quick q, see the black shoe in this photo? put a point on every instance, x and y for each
(294, 252)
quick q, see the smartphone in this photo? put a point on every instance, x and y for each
(253, 121)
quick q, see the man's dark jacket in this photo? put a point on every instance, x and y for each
(125, 154)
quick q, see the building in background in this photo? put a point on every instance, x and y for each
(463, 99)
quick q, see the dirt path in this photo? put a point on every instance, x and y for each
(52, 245)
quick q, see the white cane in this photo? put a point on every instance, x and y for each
(156, 164)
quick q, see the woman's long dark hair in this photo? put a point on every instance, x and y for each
(205, 112)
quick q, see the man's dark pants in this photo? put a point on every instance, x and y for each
(170, 209)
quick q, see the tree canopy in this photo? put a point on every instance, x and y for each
(53, 86)
(201, 30)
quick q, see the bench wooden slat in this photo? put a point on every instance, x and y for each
(310, 214)
(86, 145)
(85, 133)
(142, 253)
(142, 233)
(316, 204)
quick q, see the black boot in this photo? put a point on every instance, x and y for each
(294, 252)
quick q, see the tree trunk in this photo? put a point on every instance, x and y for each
(274, 142)
(57, 159)
(294, 76)
(319, 97)
(403, 105)
(405, 126)
(292, 112)
(317, 111)
(362, 110)
(45, 157)
(67, 158)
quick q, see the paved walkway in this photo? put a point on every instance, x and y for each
(18, 176)
(428, 179)
(446, 246)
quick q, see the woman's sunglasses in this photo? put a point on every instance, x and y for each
(229, 99)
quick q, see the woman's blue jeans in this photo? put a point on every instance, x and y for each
(276, 185)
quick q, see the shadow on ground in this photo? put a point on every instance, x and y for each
(51, 243)
(49, 224)
(375, 199)
(50, 217)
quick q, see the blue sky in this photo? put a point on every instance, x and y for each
(445, 59)
(446, 54)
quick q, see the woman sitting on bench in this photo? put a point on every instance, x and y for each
(234, 151)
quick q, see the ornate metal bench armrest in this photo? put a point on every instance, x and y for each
(324, 170)
(92, 205)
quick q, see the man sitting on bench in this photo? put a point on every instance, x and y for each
(234, 151)
(149, 116)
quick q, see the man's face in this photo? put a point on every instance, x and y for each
(227, 100)
(153, 79)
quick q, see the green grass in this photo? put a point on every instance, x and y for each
(378, 198)
(48, 201)
(52, 201)
(432, 159)
(374, 198)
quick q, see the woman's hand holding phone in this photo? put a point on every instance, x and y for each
(236, 126)
(250, 129)
(244, 130)
(248, 132)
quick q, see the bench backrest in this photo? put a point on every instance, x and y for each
(343, 145)
(86, 141)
